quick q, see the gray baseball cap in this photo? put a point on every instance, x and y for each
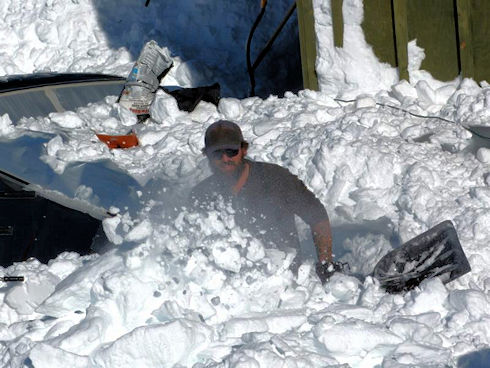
(223, 134)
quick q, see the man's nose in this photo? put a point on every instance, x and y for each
(225, 158)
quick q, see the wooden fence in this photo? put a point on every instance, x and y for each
(307, 43)
(453, 33)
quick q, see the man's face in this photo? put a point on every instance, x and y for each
(227, 161)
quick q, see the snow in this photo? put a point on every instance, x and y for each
(177, 289)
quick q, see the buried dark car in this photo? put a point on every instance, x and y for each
(39, 214)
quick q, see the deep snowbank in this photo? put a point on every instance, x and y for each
(384, 176)
(183, 289)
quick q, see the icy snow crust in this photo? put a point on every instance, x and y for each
(177, 289)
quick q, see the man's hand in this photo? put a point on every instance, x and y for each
(327, 269)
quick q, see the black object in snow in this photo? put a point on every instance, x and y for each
(12, 279)
(435, 253)
(32, 226)
(188, 98)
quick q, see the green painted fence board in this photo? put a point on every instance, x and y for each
(480, 27)
(432, 24)
(465, 38)
(307, 43)
(338, 23)
(400, 12)
(377, 26)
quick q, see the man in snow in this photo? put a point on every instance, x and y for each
(264, 196)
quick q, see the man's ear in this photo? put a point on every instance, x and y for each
(244, 148)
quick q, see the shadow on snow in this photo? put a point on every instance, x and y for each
(210, 42)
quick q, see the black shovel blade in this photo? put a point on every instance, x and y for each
(435, 253)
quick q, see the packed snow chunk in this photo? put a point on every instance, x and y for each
(54, 145)
(275, 322)
(164, 109)
(64, 264)
(425, 93)
(364, 101)
(124, 297)
(410, 354)
(73, 293)
(482, 194)
(47, 356)
(68, 119)
(86, 336)
(25, 297)
(140, 232)
(148, 138)
(112, 229)
(431, 296)
(124, 115)
(283, 321)
(444, 93)
(403, 92)
(266, 131)
(255, 250)
(416, 55)
(237, 327)
(231, 108)
(167, 345)
(6, 126)
(412, 329)
(483, 155)
(362, 253)
(275, 352)
(343, 288)
(473, 302)
(416, 131)
(353, 337)
(226, 256)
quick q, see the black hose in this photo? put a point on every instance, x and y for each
(249, 41)
(472, 131)
(268, 46)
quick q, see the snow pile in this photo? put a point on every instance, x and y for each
(206, 39)
(226, 297)
(56, 36)
(180, 289)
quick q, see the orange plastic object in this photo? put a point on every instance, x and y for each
(119, 141)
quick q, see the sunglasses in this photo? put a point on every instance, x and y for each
(216, 155)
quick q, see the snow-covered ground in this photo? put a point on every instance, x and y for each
(182, 290)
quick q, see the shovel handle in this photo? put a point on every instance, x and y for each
(263, 4)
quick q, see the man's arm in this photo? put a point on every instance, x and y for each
(322, 237)
(303, 202)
